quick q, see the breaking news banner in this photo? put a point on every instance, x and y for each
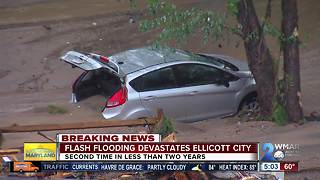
(108, 138)
(158, 152)
(103, 166)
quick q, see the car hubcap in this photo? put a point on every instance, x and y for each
(250, 110)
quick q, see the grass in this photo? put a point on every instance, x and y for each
(165, 128)
(53, 109)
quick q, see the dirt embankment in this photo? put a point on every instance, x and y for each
(34, 33)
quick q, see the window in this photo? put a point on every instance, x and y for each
(197, 74)
(155, 80)
(218, 62)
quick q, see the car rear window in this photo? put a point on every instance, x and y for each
(155, 80)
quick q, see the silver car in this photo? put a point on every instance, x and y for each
(187, 86)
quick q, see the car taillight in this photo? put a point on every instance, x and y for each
(118, 98)
(104, 59)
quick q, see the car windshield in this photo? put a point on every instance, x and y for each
(217, 61)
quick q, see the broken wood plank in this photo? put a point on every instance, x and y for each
(47, 137)
(160, 116)
(9, 151)
(170, 138)
(82, 125)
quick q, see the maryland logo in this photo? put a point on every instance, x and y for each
(40, 151)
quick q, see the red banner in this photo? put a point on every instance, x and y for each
(158, 148)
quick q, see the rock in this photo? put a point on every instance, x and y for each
(131, 20)
(225, 175)
(126, 176)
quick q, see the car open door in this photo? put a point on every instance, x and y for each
(82, 61)
(95, 66)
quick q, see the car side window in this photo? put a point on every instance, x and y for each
(198, 74)
(155, 80)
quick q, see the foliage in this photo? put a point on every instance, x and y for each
(232, 7)
(178, 24)
(53, 109)
(271, 30)
(133, 3)
(279, 114)
(165, 128)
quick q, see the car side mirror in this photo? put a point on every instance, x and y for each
(224, 83)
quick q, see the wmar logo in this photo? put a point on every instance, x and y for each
(268, 149)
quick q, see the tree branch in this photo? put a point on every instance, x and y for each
(239, 33)
(267, 15)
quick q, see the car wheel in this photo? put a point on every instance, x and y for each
(250, 108)
(35, 170)
(20, 170)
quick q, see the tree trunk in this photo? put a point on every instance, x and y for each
(290, 45)
(258, 54)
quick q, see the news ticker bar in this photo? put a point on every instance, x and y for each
(104, 166)
(142, 166)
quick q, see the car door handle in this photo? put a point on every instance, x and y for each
(193, 93)
(149, 98)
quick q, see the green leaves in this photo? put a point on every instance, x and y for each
(279, 115)
(270, 29)
(232, 7)
(178, 24)
(165, 128)
(53, 109)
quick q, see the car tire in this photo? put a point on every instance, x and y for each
(249, 108)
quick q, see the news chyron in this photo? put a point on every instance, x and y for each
(137, 152)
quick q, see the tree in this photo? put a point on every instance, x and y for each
(258, 54)
(290, 46)
(178, 24)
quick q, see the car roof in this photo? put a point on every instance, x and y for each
(136, 59)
